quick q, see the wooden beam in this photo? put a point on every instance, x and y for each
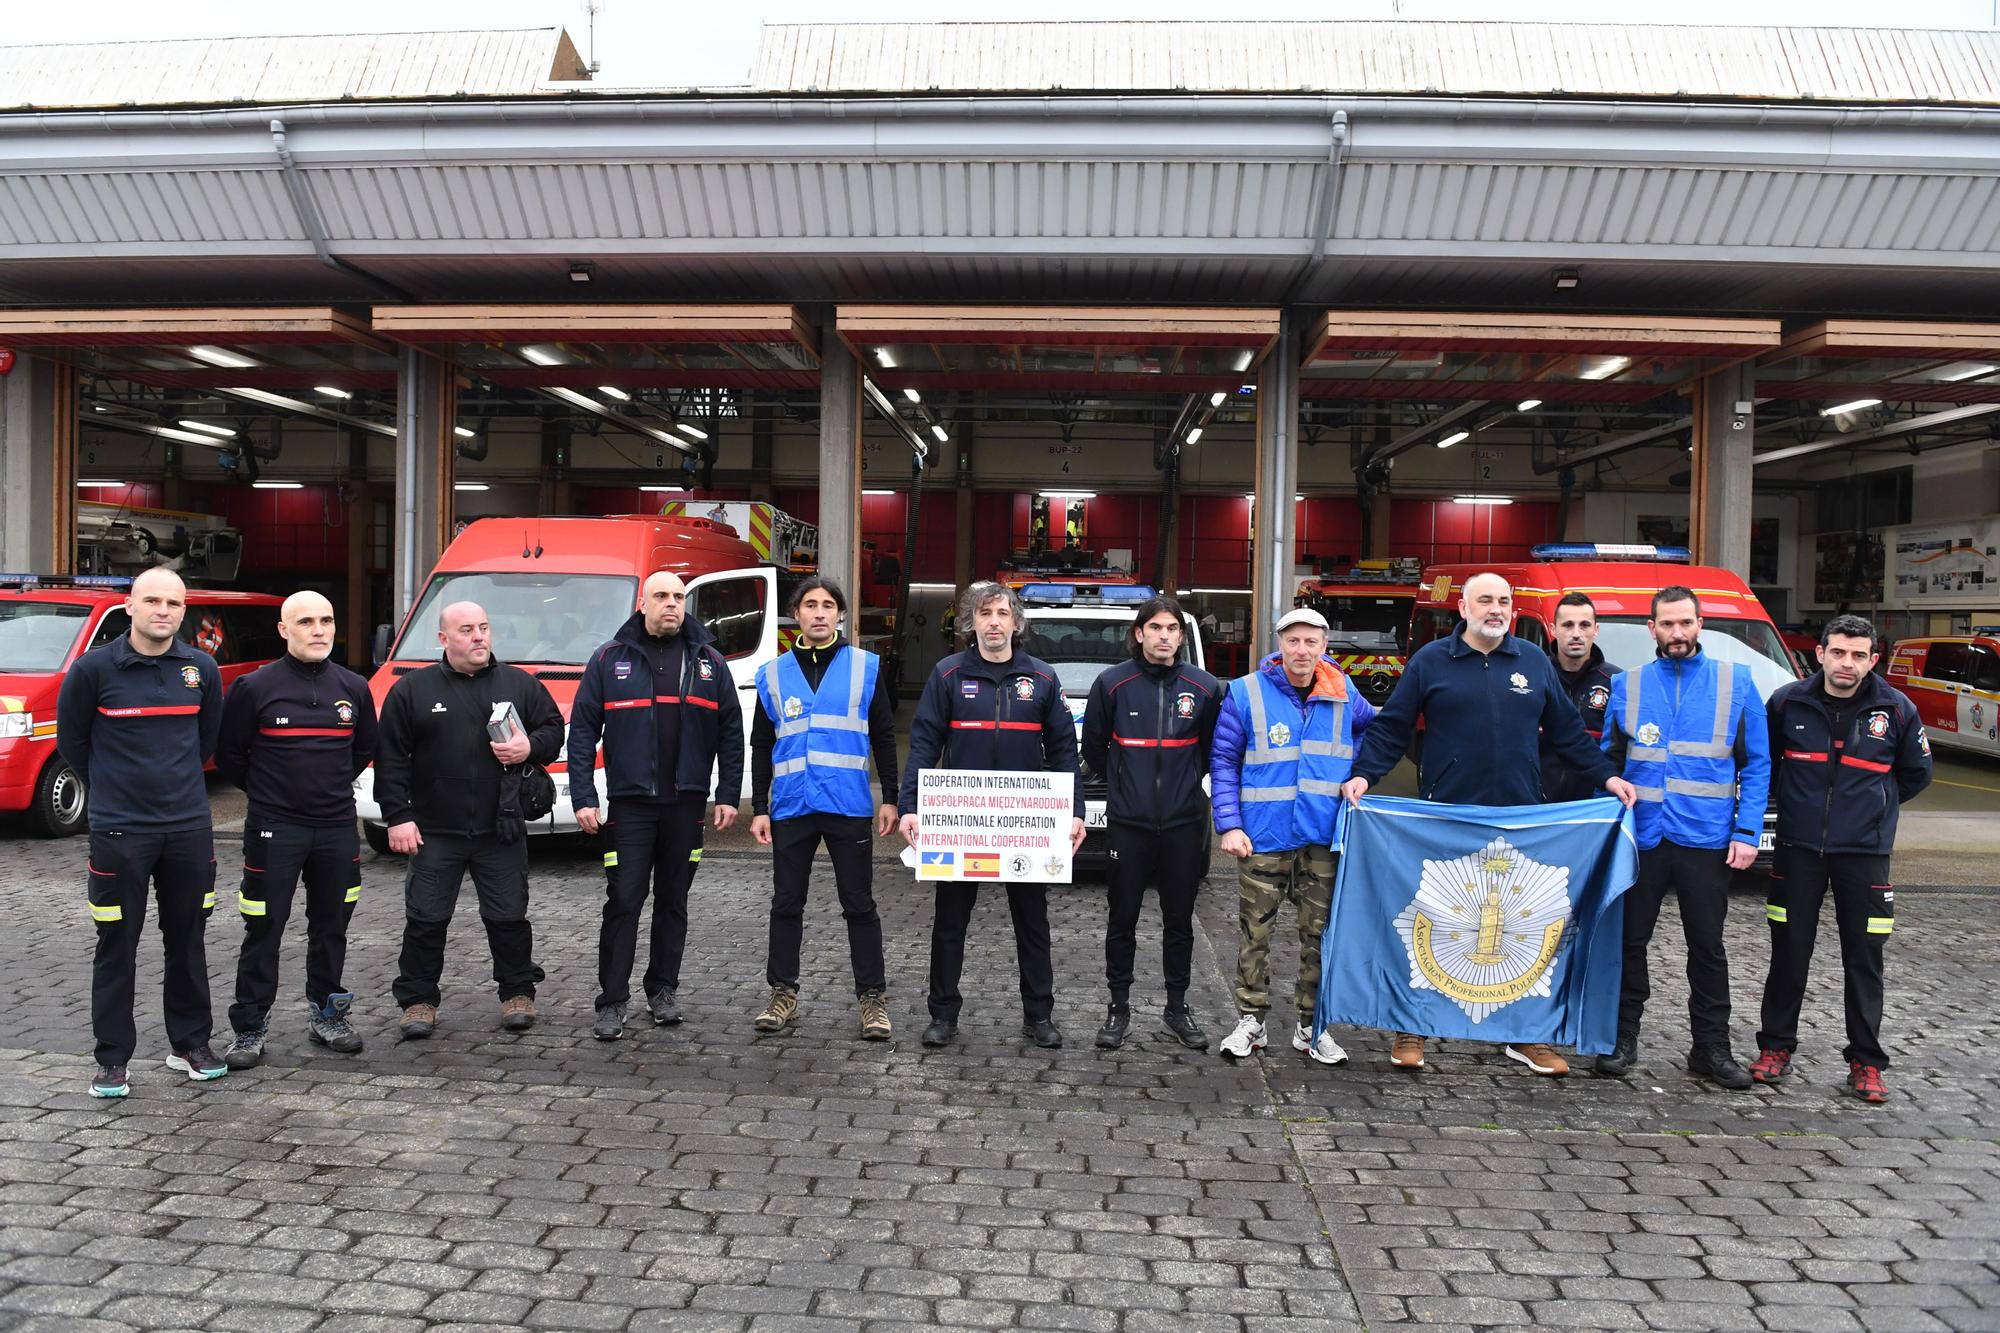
(594, 323)
(180, 327)
(1103, 326)
(1642, 334)
(1890, 339)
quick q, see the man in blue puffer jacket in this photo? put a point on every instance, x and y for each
(1284, 742)
(1689, 732)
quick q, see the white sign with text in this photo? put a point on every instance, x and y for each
(1001, 825)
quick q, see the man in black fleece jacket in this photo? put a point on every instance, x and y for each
(296, 732)
(450, 796)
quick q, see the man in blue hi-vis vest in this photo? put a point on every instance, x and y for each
(824, 710)
(1689, 731)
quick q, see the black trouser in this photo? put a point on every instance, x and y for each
(1029, 906)
(655, 848)
(1864, 909)
(1140, 858)
(850, 845)
(123, 866)
(1699, 878)
(275, 856)
(430, 895)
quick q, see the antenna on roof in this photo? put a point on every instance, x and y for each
(591, 9)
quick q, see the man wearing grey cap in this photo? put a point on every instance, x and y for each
(1284, 743)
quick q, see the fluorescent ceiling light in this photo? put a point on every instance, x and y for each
(1834, 411)
(613, 391)
(295, 405)
(664, 490)
(1194, 436)
(883, 358)
(1482, 500)
(94, 485)
(463, 432)
(1243, 361)
(331, 392)
(1969, 373)
(216, 356)
(1070, 495)
(208, 428)
(913, 395)
(1215, 399)
(277, 485)
(1456, 437)
(942, 434)
(583, 400)
(543, 356)
(469, 486)
(933, 587)
(1606, 368)
(1528, 405)
(693, 431)
(1220, 592)
(878, 492)
(175, 433)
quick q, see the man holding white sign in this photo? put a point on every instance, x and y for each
(997, 709)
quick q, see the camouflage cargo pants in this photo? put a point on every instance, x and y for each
(1265, 881)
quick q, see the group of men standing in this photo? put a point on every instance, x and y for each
(1686, 741)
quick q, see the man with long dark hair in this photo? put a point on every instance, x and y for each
(1147, 728)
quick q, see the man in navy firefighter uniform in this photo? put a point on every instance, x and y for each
(661, 695)
(991, 707)
(296, 733)
(136, 719)
(1147, 727)
(1586, 678)
(1847, 750)
(1689, 732)
(824, 709)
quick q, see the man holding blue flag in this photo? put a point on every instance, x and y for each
(1284, 742)
(1490, 703)
(1689, 731)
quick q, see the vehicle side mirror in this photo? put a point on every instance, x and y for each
(379, 645)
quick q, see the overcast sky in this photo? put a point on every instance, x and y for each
(700, 42)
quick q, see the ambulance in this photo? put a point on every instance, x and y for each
(1620, 581)
(1367, 609)
(46, 623)
(556, 588)
(1954, 680)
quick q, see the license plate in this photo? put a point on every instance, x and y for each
(1093, 819)
(1766, 841)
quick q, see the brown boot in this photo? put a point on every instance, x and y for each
(517, 1013)
(783, 1008)
(419, 1021)
(1407, 1051)
(875, 1024)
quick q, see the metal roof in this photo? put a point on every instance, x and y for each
(216, 71)
(1852, 65)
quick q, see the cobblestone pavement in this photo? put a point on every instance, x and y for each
(703, 1178)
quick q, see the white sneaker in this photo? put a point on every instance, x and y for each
(1326, 1050)
(1247, 1039)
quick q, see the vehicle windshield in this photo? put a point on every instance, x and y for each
(1361, 623)
(36, 636)
(548, 618)
(1628, 644)
(1080, 648)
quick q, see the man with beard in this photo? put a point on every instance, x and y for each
(1689, 732)
(1586, 679)
(662, 697)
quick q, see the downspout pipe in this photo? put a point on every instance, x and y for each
(1329, 201)
(314, 227)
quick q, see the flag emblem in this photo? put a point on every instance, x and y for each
(1649, 733)
(1485, 928)
(937, 865)
(982, 865)
(1280, 734)
(793, 707)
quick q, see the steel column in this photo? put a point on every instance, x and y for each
(426, 404)
(840, 466)
(1274, 537)
(1725, 425)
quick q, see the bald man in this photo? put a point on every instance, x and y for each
(661, 696)
(136, 720)
(450, 795)
(296, 733)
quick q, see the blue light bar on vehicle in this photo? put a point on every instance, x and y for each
(118, 581)
(1666, 555)
(98, 581)
(22, 579)
(1088, 594)
(1048, 594)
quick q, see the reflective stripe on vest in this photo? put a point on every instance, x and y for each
(1720, 745)
(1290, 786)
(820, 757)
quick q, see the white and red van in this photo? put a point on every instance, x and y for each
(1954, 680)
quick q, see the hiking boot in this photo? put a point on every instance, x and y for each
(1865, 1082)
(247, 1050)
(1111, 1036)
(1770, 1065)
(782, 1009)
(1322, 1048)
(1407, 1051)
(1178, 1021)
(1044, 1034)
(665, 1006)
(1246, 1040)
(875, 1025)
(110, 1081)
(1716, 1064)
(327, 1024)
(200, 1064)
(1541, 1059)
(610, 1024)
(517, 1013)
(418, 1021)
(1618, 1061)
(940, 1032)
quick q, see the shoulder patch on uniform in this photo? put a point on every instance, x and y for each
(1598, 697)
(191, 677)
(1024, 687)
(1878, 723)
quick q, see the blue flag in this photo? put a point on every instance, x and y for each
(1498, 923)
